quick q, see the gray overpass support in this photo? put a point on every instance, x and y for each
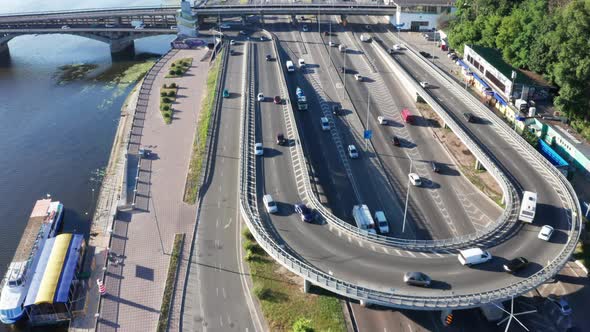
(122, 45)
(306, 286)
(4, 44)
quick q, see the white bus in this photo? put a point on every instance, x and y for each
(290, 67)
(528, 206)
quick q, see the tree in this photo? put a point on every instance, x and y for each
(490, 30)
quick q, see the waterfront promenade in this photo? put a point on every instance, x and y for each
(142, 238)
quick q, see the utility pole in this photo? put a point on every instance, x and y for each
(367, 123)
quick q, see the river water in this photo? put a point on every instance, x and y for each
(55, 133)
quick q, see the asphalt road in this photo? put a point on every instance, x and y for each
(217, 295)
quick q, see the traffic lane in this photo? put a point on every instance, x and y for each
(421, 200)
(223, 298)
(376, 187)
(435, 152)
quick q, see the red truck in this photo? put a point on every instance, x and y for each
(407, 115)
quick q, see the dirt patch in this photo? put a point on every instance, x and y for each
(462, 156)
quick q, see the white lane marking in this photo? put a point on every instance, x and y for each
(228, 224)
(217, 223)
(224, 293)
(221, 320)
(217, 290)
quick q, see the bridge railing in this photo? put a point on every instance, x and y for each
(89, 10)
(249, 210)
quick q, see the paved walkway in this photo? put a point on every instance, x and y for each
(142, 239)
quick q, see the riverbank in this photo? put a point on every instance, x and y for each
(104, 214)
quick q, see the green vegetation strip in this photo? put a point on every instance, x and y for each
(192, 182)
(285, 306)
(170, 280)
(167, 97)
(179, 67)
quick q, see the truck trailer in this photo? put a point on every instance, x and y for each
(362, 217)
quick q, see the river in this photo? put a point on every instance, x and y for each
(56, 131)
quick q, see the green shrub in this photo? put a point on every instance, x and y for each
(247, 234)
(250, 256)
(164, 86)
(166, 100)
(173, 64)
(178, 71)
(262, 293)
(171, 93)
(166, 107)
(173, 85)
(163, 94)
(171, 72)
(302, 325)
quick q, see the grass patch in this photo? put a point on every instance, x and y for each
(170, 279)
(192, 181)
(179, 67)
(285, 306)
(168, 94)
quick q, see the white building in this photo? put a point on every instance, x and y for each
(419, 15)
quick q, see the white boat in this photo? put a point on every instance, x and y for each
(44, 223)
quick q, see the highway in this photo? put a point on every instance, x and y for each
(217, 293)
(350, 260)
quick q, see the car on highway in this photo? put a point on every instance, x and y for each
(424, 84)
(425, 54)
(325, 123)
(469, 117)
(232, 51)
(270, 204)
(243, 33)
(383, 120)
(173, 27)
(109, 25)
(561, 304)
(304, 212)
(396, 47)
(382, 223)
(232, 42)
(332, 44)
(336, 109)
(353, 152)
(343, 70)
(262, 38)
(515, 265)
(224, 26)
(260, 97)
(140, 27)
(277, 100)
(417, 279)
(434, 166)
(305, 28)
(415, 179)
(281, 139)
(473, 256)
(546, 232)
(301, 63)
(395, 140)
(358, 77)
(258, 149)
(268, 57)
(225, 93)
(65, 27)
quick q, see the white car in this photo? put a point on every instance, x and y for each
(258, 149)
(174, 27)
(232, 42)
(415, 179)
(545, 233)
(224, 26)
(305, 29)
(424, 84)
(270, 204)
(358, 77)
(353, 152)
(65, 27)
(260, 97)
(325, 123)
(139, 27)
(397, 47)
(332, 44)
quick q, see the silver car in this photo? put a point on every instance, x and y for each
(417, 279)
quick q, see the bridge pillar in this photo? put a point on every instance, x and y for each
(244, 19)
(4, 50)
(122, 46)
(306, 286)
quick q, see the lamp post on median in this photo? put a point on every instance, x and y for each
(407, 198)
(367, 123)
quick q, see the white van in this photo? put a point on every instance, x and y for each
(381, 222)
(301, 63)
(290, 67)
(473, 256)
(270, 204)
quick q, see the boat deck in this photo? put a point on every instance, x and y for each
(39, 215)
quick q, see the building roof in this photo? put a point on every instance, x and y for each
(55, 271)
(494, 58)
(570, 136)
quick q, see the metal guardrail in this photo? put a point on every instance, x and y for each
(249, 211)
(90, 10)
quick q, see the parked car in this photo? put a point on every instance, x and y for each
(415, 179)
(395, 140)
(258, 149)
(417, 279)
(516, 264)
(225, 93)
(281, 139)
(260, 97)
(270, 204)
(304, 212)
(561, 304)
(545, 233)
(353, 152)
(277, 100)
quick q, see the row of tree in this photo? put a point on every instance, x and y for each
(550, 37)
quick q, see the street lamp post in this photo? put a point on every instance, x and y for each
(344, 76)
(407, 198)
(367, 123)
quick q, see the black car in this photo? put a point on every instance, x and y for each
(305, 212)
(268, 57)
(281, 139)
(395, 140)
(516, 264)
(232, 52)
(469, 117)
(425, 54)
(336, 109)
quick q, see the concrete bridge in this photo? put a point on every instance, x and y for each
(118, 26)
